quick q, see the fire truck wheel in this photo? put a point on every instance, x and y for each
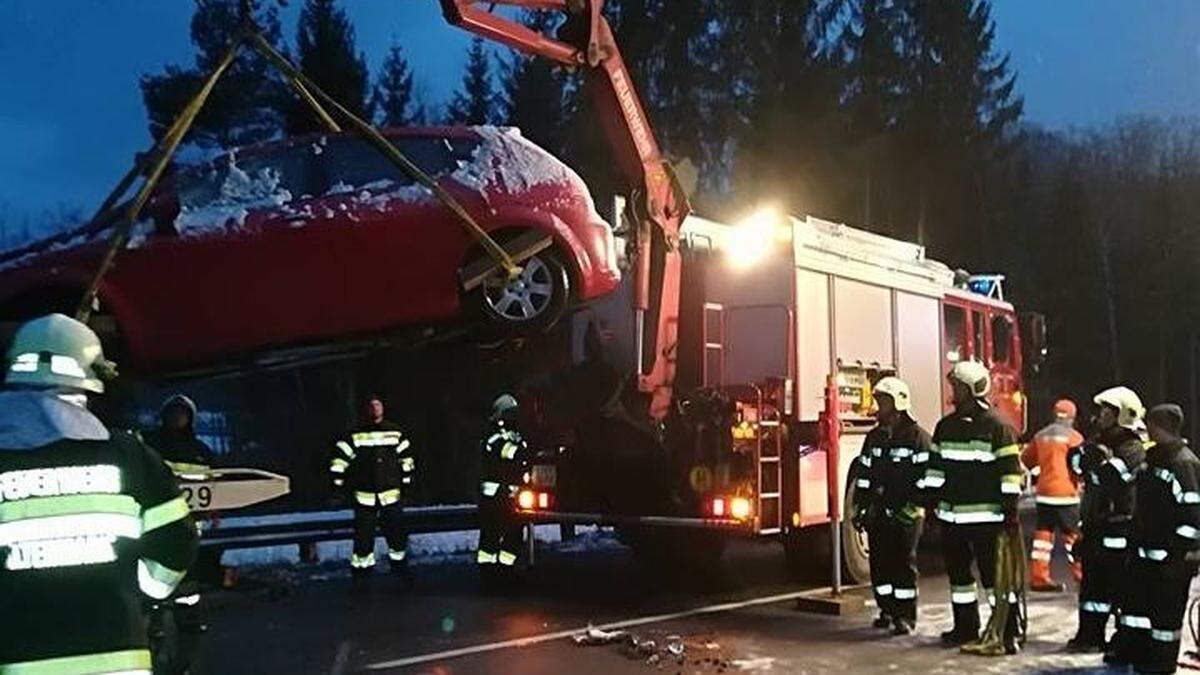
(856, 553)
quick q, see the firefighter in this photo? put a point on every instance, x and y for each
(88, 516)
(375, 464)
(1107, 466)
(502, 472)
(887, 503)
(188, 457)
(1165, 548)
(1057, 495)
(974, 475)
(175, 437)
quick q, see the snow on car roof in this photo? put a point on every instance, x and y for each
(508, 156)
(503, 162)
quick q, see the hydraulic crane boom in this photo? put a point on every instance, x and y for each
(657, 203)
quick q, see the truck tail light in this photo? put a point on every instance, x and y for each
(739, 508)
(526, 499)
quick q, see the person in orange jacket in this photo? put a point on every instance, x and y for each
(1057, 495)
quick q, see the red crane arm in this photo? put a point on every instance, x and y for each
(658, 204)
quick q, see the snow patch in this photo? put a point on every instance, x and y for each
(505, 162)
(340, 188)
(423, 549)
(239, 193)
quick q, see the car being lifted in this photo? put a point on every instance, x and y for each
(320, 238)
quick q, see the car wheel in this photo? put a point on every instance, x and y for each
(535, 300)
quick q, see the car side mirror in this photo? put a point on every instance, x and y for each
(1034, 345)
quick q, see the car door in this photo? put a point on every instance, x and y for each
(956, 343)
(220, 277)
(1004, 363)
(404, 245)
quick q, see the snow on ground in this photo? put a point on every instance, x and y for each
(425, 549)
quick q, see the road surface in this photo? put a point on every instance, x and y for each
(738, 619)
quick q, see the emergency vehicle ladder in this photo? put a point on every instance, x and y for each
(712, 373)
(768, 450)
(768, 436)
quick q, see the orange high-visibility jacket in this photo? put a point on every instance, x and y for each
(1046, 458)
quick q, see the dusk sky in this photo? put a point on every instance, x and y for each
(71, 114)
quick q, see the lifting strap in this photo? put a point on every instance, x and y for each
(155, 162)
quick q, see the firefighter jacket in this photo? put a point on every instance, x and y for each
(375, 462)
(1046, 459)
(180, 448)
(1166, 526)
(1107, 470)
(505, 462)
(892, 462)
(974, 471)
(90, 520)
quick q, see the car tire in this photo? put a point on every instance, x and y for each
(533, 302)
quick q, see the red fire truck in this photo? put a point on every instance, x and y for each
(742, 340)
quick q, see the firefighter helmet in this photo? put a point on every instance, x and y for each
(1127, 402)
(973, 374)
(56, 351)
(897, 389)
(503, 405)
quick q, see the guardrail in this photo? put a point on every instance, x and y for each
(314, 526)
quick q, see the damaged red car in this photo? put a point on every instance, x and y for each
(320, 239)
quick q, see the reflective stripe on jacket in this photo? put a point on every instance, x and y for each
(1046, 457)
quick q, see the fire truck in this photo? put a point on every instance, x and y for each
(735, 389)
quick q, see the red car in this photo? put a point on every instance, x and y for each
(319, 239)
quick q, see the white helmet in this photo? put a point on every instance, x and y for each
(56, 351)
(1128, 404)
(973, 374)
(897, 389)
(503, 405)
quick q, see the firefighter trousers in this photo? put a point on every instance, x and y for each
(962, 546)
(1154, 600)
(1052, 519)
(894, 565)
(499, 533)
(366, 520)
(1104, 566)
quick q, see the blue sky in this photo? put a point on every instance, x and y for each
(71, 115)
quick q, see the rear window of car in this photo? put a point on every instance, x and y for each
(276, 176)
(355, 163)
(280, 175)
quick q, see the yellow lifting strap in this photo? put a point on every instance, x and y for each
(1009, 595)
(155, 162)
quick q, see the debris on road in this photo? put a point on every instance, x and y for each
(662, 650)
(595, 636)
